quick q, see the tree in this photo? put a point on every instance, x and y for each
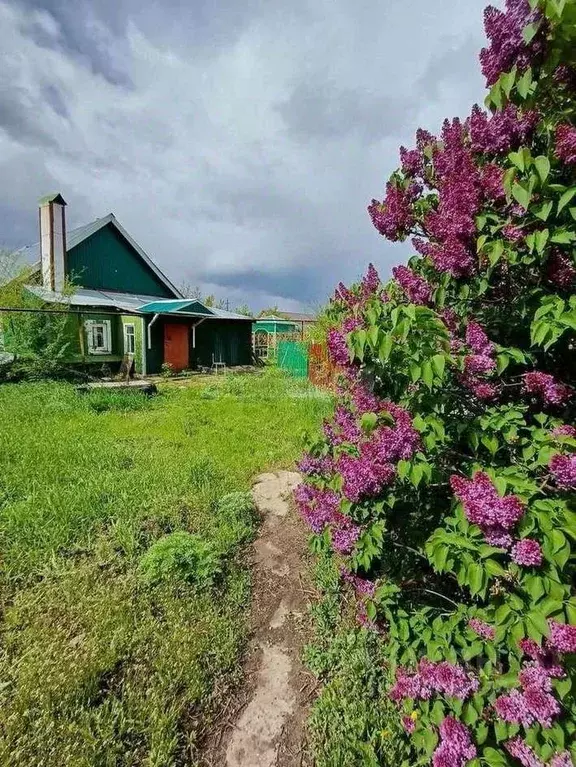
(445, 484)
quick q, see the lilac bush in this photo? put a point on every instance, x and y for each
(445, 483)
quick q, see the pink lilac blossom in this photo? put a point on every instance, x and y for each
(563, 469)
(443, 677)
(545, 657)
(513, 233)
(393, 217)
(456, 748)
(478, 364)
(546, 386)
(491, 180)
(522, 751)
(560, 270)
(362, 586)
(411, 162)
(317, 507)
(450, 256)
(535, 675)
(562, 760)
(408, 724)
(345, 295)
(500, 132)
(527, 552)
(534, 704)
(415, 287)
(562, 637)
(566, 143)
(565, 430)
(450, 319)
(495, 515)
(370, 282)
(364, 620)
(366, 401)
(311, 465)
(507, 45)
(483, 630)
(344, 535)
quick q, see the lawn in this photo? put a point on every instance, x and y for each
(99, 665)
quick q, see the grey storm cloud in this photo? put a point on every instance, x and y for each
(239, 143)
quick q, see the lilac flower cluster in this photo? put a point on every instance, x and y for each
(456, 748)
(483, 506)
(370, 282)
(491, 180)
(533, 704)
(311, 466)
(566, 144)
(497, 134)
(560, 270)
(361, 585)
(318, 507)
(562, 637)
(563, 468)
(481, 363)
(565, 430)
(373, 467)
(513, 233)
(507, 45)
(520, 750)
(545, 386)
(415, 287)
(393, 217)
(337, 346)
(545, 656)
(527, 552)
(409, 724)
(444, 678)
(483, 630)
(344, 534)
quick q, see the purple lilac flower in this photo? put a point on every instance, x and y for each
(411, 161)
(344, 535)
(565, 430)
(364, 400)
(562, 760)
(362, 586)
(560, 270)
(563, 468)
(393, 217)
(499, 133)
(483, 630)
(513, 233)
(566, 144)
(317, 507)
(450, 319)
(546, 386)
(310, 465)
(491, 179)
(362, 476)
(507, 45)
(534, 703)
(522, 751)
(483, 506)
(370, 282)
(562, 637)
(408, 724)
(546, 657)
(478, 364)
(527, 552)
(337, 346)
(456, 748)
(512, 708)
(344, 295)
(535, 675)
(443, 677)
(416, 288)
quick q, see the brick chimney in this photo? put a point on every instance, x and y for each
(53, 242)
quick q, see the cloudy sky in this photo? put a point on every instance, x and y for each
(238, 141)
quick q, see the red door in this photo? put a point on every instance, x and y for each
(176, 347)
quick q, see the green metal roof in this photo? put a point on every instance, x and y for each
(170, 307)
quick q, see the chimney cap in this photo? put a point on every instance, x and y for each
(55, 197)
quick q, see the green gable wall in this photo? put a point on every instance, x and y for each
(106, 261)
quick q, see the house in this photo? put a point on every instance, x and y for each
(267, 331)
(121, 305)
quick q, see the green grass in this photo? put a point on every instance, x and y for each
(98, 665)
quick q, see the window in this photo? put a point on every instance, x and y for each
(129, 339)
(99, 337)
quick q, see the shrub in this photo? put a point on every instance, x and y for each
(235, 520)
(445, 482)
(180, 556)
(167, 370)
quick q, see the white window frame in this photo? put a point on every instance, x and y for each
(103, 327)
(130, 337)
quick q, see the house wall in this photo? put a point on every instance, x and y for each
(138, 322)
(106, 261)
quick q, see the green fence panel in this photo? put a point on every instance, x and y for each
(293, 358)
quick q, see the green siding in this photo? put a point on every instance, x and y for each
(228, 340)
(279, 327)
(129, 319)
(106, 261)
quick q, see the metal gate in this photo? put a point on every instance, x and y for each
(293, 358)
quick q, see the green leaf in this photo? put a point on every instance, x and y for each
(368, 422)
(530, 31)
(537, 620)
(542, 164)
(524, 83)
(541, 238)
(563, 237)
(386, 343)
(521, 195)
(517, 158)
(565, 199)
(494, 758)
(373, 335)
(543, 212)
(428, 374)
(439, 363)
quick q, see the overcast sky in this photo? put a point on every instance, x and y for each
(238, 141)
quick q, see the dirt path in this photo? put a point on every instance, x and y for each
(266, 726)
